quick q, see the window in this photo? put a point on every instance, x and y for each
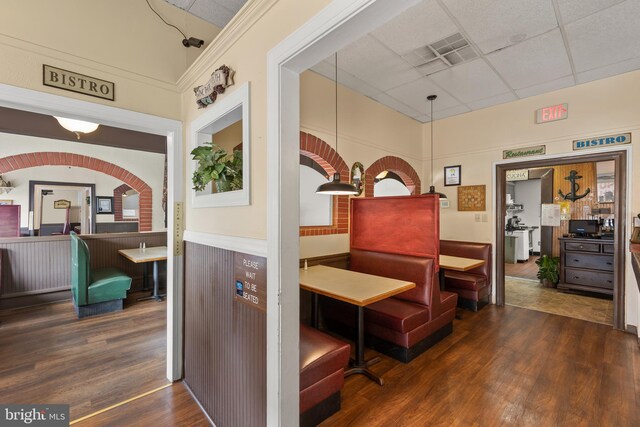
(315, 209)
(389, 184)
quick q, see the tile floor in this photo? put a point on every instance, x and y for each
(530, 294)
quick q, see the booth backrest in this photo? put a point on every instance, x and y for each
(470, 250)
(419, 270)
(80, 269)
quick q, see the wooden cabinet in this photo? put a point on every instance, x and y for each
(586, 265)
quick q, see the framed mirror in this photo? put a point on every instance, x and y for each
(605, 181)
(219, 143)
(357, 177)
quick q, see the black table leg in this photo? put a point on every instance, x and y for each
(156, 295)
(315, 315)
(359, 365)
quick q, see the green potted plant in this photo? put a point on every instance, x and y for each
(548, 270)
(215, 165)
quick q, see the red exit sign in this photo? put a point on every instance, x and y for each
(553, 113)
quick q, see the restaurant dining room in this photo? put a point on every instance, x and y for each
(320, 213)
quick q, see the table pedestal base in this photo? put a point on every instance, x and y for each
(364, 370)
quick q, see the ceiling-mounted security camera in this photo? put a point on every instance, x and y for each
(192, 41)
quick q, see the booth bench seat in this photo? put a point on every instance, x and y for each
(473, 287)
(95, 291)
(322, 362)
(407, 324)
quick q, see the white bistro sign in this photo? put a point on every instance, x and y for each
(518, 175)
(602, 141)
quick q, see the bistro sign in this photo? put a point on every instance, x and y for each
(602, 141)
(523, 152)
(75, 82)
(207, 93)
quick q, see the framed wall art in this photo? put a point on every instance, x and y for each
(452, 175)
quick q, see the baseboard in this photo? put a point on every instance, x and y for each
(29, 300)
(98, 308)
(406, 355)
(195, 399)
(320, 412)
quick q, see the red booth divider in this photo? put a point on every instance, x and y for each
(408, 225)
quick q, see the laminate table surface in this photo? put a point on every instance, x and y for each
(137, 255)
(457, 263)
(350, 286)
(152, 254)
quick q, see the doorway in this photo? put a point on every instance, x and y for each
(552, 237)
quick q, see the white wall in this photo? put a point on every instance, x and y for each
(315, 209)
(528, 193)
(149, 167)
(389, 187)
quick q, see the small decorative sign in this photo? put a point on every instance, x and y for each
(524, 152)
(250, 274)
(75, 82)
(472, 198)
(553, 113)
(61, 204)
(452, 175)
(207, 93)
(550, 215)
(518, 175)
(601, 141)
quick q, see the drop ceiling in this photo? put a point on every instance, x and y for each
(476, 54)
(217, 12)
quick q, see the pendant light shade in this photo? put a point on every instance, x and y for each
(335, 187)
(77, 126)
(432, 188)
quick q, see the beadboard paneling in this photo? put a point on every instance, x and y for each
(225, 341)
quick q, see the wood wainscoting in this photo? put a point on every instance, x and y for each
(225, 341)
(37, 270)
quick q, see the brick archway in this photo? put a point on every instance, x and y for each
(117, 203)
(324, 155)
(31, 160)
(396, 165)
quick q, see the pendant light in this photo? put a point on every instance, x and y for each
(335, 187)
(432, 188)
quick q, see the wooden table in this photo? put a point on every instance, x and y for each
(152, 254)
(356, 288)
(448, 262)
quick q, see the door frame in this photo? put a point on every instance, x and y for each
(621, 156)
(50, 104)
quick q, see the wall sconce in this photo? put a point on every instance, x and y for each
(357, 177)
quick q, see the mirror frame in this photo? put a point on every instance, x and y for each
(222, 107)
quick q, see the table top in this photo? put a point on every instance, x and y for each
(350, 286)
(457, 263)
(137, 255)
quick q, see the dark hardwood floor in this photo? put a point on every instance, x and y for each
(502, 366)
(172, 406)
(505, 366)
(47, 355)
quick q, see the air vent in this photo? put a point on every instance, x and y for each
(437, 56)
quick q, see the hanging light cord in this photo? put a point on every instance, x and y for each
(431, 100)
(336, 101)
(171, 25)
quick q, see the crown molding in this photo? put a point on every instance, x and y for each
(250, 13)
(63, 59)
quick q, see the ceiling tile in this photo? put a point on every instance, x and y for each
(325, 69)
(375, 64)
(356, 84)
(494, 100)
(212, 12)
(572, 10)
(418, 26)
(606, 37)
(490, 23)
(470, 81)
(415, 93)
(557, 84)
(182, 4)
(609, 70)
(394, 104)
(534, 61)
(454, 111)
(233, 5)
(423, 118)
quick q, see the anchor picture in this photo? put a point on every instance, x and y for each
(575, 187)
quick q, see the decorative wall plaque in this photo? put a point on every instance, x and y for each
(524, 152)
(250, 274)
(207, 93)
(61, 204)
(472, 198)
